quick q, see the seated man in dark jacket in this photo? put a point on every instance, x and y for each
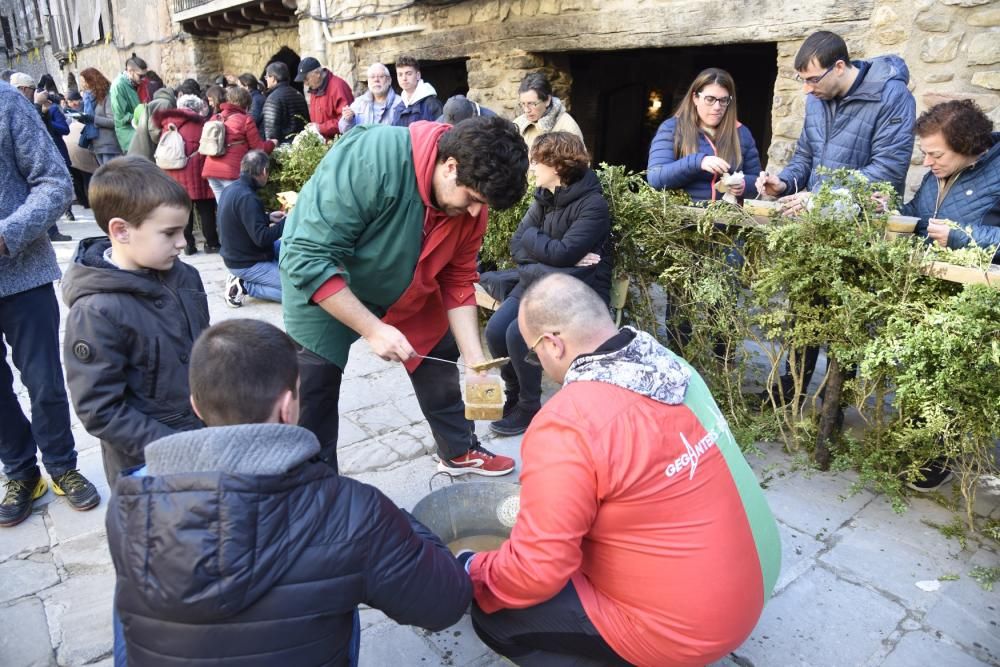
(235, 545)
(248, 235)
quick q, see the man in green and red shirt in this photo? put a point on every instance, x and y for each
(382, 245)
(643, 536)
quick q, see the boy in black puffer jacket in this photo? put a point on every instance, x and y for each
(237, 545)
(135, 311)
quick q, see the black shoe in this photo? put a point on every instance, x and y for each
(18, 499)
(935, 475)
(509, 404)
(212, 249)
(70, 216)
(190, 249)
(79, 492)
(59, 236)
(515, 423)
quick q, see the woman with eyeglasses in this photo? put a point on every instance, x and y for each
(962, 185)
(703, 141)
(566, 231)
(541, 111)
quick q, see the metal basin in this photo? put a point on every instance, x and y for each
(470, 510)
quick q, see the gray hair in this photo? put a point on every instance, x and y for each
(254, 164)
(192, 102)
(381, 67)
(278, 70)
(5, 74)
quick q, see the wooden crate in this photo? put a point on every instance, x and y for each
(964, 274)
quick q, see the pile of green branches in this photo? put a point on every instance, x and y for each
(916, 356)
(291, 165)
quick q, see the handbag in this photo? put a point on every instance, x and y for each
(87, 135)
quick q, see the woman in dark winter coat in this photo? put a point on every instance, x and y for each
(704, 141)
(565, 230)
(188, 118)
(249, 83)
(241, 138)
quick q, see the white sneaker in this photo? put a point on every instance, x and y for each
(235, 291)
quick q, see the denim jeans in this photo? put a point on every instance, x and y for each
(504, 340)
(218, 185)
(262, 280)
(29, 324)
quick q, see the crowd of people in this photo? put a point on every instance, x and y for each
(643, 536)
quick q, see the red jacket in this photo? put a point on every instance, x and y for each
(446, 273)
(189, 124)
(661, 553)
(327, 103)
(242, 136)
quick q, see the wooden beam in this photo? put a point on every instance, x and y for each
(236, 19)
(191, 28)
(219, 24)
(252, 15)
(275, 13)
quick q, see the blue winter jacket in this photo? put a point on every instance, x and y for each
(871, 129)
(35, 189)
(666, 172)
(972, 201)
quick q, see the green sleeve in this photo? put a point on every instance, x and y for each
(343, 196)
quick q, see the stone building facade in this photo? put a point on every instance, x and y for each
(618, 65)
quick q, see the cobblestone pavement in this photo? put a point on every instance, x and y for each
(860, 585)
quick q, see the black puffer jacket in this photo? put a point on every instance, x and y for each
(285, 113)
(559, 229)
(240, 548)
(126, 350)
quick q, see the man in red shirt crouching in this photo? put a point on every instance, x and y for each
(643, 536)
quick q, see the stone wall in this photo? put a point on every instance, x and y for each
(952, 47)
(249, 52)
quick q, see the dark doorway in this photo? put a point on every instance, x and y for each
(619, 99)
(291, 59)
(449, 77)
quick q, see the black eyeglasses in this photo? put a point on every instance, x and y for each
(712, 101)
(813, 80)
(532, 357)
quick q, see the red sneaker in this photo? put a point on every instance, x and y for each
(478, 461)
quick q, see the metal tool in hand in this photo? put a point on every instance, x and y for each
(484, 366)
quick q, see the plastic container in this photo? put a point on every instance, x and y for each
(484, 399)
(760, 207)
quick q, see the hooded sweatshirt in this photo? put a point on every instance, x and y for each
(633, 488)
(238, 547)
(422, 105)
(126, 350)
